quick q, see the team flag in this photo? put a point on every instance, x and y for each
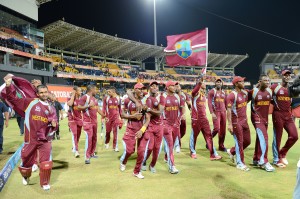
(188, 49)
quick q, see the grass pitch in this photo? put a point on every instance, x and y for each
(200, 178)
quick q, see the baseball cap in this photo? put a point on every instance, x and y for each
(171, 83)
(285, 72)
(218, 78)
(139, 86)
(237, 79)
(153, 82)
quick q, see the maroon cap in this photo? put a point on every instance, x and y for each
(285, 72)
(139, 86)
(218, 78)
(153, 82)
(171, 83)
(237, 79)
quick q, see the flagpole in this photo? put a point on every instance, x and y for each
(155, 32)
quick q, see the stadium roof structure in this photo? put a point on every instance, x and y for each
(276, 58)
(40, 2)
(68, 37)
(224, 61)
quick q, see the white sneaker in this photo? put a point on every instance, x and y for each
(122, 167)
(77, 155)
(284, 161)
(106, 146)
(173, 170)
(34, 168)
(116, 150)
(101, 135)
(152, 169)
(242, 167)
(139, 175)
(268, 167)
(177, 149)
(46, 187)
(144, 168)
(231, 157)
(25, 181)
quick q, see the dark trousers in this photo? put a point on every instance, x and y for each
(1, 138)
(20, 121)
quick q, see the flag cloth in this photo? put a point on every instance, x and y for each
(188, 49)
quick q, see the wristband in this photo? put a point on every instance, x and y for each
(143, 129)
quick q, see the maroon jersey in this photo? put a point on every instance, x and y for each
(216, 101)
(198, 103)
(89, 114)
(153, 103)
(282, 101)
(74, 113)
(130, 108)
(260, 102)
(238, 104)
(184, 97)
(112, 107)
(38, 116)
(172, 113)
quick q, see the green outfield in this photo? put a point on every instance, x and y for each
(200, 178)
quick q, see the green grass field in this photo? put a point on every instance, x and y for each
(200, 178)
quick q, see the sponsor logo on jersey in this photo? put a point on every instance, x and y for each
(39, 118)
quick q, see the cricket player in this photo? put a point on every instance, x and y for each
(282, 119)
(200, 122)
(237, 122)
(217, 107)
(40, 126)
(89, 106)
(152, 139)
(135, 127)
(260, 102)
(75, 119)
(184, 97)
(113, 111)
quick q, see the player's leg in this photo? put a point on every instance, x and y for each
(277, 136)
(216, 124)
(115, 129)
(222, 132)
(73, 129)
(94, 140)
(88, 130)
(193, 138)
(129, 143)
(238, 136)
(291, 130)
(257, 151)
(158, 134)
(108, 128)
(168, 141)
(28, 156)
(46, 164)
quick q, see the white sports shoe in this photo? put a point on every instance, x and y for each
(116, 149)
(173, 170)
(242, 167)
(77, 155)
(122, 167)
(268, 167)
(139, 175)
(152, 169)
(25, 181)
(106, 146)
(34, 168)
(144, 168)
(284, 161)
(231, 157)
(46, 187)
(177, 149)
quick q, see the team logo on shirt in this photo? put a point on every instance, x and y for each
(281, 92)
(155, 103)
(133, 105)
(75, 103)
(240, 99)
(46, 112)
(268, 96)
(168, 102)
(218, 95)
(259, 97)
(116, 101)
(110, 101)
(38, 109)
(176, 101)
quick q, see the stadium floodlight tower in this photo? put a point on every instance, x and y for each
(155, 32)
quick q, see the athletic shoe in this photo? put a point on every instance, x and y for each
(231, 157)
(94, 156)
(88, 161)
(25, 181)
(122, 167)
(222, 149)
(77, 155)
(34, 168)
(284, 161)
(106, 146)
(144, 167)
(173, 170)
(101, 135)
(255, 163)
(279, 164)
(165, 160)
(46, 187)
(215, 157)
(58, 138)
(152, 169)
(139, 175)
(116, 150)
(268, 167)
(193, 156)
(177, 149)
(242, 167)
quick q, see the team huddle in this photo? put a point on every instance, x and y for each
(156, 122)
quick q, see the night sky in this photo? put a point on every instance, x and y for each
(133, 19)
